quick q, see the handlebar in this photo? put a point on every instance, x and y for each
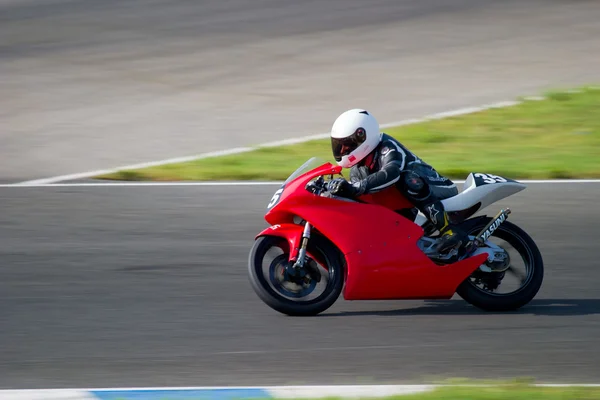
(317, 186)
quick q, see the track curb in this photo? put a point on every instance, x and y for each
(239, 393)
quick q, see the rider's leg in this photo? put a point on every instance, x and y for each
(427, 197)
(451, 235)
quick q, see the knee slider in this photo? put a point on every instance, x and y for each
(415, 186)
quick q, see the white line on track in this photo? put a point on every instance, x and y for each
(54, 181)
(240, 150)
(290, 391)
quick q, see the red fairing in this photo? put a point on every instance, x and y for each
(383, 259)
(388, 198)
(384, 277)
(295, 193)
(293, 234)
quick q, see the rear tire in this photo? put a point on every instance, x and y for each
(530, 254)
(282, 304)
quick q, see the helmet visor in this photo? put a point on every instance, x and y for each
(344, 146)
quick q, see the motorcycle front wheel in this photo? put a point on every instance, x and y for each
(292, 297)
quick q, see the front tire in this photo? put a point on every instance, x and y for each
(529, 252)
(275, 297)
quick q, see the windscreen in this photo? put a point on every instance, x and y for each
(310, 164)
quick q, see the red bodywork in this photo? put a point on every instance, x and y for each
(380, 246)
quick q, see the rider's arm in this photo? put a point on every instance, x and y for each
(382, 179)
(358, 173)
(392, 161)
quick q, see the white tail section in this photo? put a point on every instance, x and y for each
(482, 188)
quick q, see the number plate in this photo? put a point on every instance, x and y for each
(275, 199)
(489, 179)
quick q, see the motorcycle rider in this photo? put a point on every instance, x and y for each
(377, 161)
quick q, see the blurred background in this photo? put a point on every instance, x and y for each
(147, 286)
(89, 85)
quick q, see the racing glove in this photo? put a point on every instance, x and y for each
(343, 188)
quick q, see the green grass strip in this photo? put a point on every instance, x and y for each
(501, 393)
(558, 137)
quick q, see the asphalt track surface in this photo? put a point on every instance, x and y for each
(87, 85)
(147, 286)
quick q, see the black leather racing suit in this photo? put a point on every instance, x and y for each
(392, 164)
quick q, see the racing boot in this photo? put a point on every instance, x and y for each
(451, 237)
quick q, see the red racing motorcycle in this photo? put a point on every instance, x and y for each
(379, 247)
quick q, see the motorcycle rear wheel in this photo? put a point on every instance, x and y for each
(274, 298)
(529, 252)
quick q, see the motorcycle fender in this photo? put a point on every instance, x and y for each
(293, 234)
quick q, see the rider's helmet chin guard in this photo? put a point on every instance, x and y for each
(354, 135)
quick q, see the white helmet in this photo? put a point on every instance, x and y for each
(354, 134)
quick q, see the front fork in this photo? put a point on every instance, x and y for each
(298, 271)
(302, 252)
